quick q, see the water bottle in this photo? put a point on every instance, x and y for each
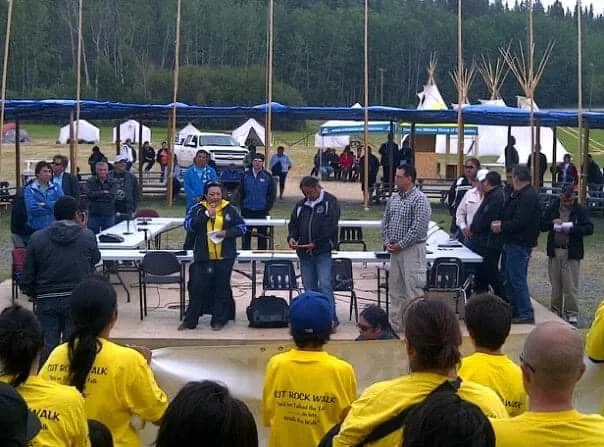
(287, 281)
(279, 283)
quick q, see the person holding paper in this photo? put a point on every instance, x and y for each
(566, 222)
(214, 224)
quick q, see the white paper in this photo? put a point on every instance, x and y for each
(214, 237)
(567, 225)
(557, 227)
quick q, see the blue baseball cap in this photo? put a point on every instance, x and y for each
(311, 313)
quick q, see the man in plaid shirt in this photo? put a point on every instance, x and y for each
(404, 232)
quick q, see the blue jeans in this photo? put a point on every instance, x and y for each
(516, 281)
(98, 223)
(54, 315)
(316, 275)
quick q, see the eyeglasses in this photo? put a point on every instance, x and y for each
(364, 328)
(528, 365)
(470, 167)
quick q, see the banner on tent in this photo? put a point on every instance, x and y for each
(356, 129)
(438, 130)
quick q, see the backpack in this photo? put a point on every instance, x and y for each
(396, 422)
(268, 312)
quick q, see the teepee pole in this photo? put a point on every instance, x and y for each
(172, 131)
(73, 154)
(531, 40)
(580, 124)
(5, 75)
(269, 113)
(460, 94)
(366, 105)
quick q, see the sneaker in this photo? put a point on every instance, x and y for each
(523, 320)
(217, 326)
(183, 327)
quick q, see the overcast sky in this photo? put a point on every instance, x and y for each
(598, 4)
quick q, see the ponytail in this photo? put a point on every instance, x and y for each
(21, 341)
(93, 304)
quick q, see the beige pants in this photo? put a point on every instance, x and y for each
(406, 281)
(564, 278)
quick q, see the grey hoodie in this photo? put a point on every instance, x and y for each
(58, 258)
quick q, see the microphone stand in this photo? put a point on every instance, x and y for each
(146, 231)
(128, 219)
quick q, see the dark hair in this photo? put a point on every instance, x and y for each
(444, 419)
(475, 161)
(409, 171)
(375, 316)
(488, 319)
(512, 140)
(63, 159)
(202, 151)
(281, 147)
(93, 304)
(309, 182)
(65, 208)
(145, 142)
(432, 329)
(41, 165)
(99, 434)
(306, 340)
(522, 173)
(509, 170)
(207, 413)
(493, 178)
(21, 341)
(96, 149)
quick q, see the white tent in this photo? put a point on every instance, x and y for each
(431, 99)
(493, 139)
(87, 133)
(189, 129)
(130, 130)
(250, 132)
(336, 133)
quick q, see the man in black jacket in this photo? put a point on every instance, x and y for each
(128, 192)
(69, 183)
(486, 243)
(566, 223)
(520, 230)
(313, 232)
(541, 165)
(101, 194)
(58, 258)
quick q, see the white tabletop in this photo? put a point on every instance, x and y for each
(134, 234)
(432, 252)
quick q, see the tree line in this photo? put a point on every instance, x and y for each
(129, 51)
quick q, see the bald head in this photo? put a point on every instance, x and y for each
(555, 351)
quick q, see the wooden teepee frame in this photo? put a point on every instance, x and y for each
(432, 68)
(523, 68)
(463, 82)
(494, 76)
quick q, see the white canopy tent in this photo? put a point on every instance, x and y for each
(493, 139)
(189, 129)
(130, 130)
(87, 133)
(250, 132)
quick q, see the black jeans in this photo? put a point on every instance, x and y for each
(487, 272)
(262, 231)
(54, 316)
(282, 178)
(210, 292)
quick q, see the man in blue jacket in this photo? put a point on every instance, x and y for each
(257, 194)
(40, 197)
(313, 232)
(197, 176)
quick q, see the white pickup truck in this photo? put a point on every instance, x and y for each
(223, 149)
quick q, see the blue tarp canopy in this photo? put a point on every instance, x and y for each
(53, 109)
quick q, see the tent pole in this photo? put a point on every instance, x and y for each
(140, 157)
(582, 125)
(72, 150)
(390, 157)
(366, 75)
(172, 132)
(269, 120)
(447, 151)
(5, 74)
(535, 160)
(18, 152)
(583, 167)
(460, 94)
(78, 89)
(118, 138)
(554, 155)
(413, 145)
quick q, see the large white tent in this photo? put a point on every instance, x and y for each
(493, 139)
(87, 133)
(250, 132)
(130, 130)
(189, 129)
(336, 133)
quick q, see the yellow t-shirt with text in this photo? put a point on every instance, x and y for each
(499, 373)
(594, 344)
(553, 429)
(383, 400)
(305, 394)
(60, 410)
(120, 385)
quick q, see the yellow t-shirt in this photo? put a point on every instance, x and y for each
(563, 429)
(383, 400)
(500, 374)
(120, 385)
(305, 394)
(60, 410)
(594, 345)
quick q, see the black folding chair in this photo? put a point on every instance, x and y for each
(280, 275)
(351, 235)
(342, 280)
(160, 267)
(446, 278)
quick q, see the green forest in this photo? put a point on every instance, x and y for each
(129, 50)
